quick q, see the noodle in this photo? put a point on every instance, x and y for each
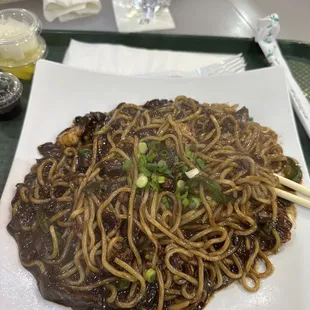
(111, 217)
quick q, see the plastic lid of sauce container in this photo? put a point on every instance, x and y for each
(10, 91)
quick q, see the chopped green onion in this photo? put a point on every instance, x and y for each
(162, 167)
(154, 186)
(165, 202)
(155, 145)
(154, 177)
(185, 202)
(143, 148)
(215, 190)
(211, 186)
(184, 168)
(167, 205)
(151, 156)
(83, 151)
(127, 164)
(161, 179)
(151, 166)
(180, 184)
(188, 153)
(123, 284)
(154, 183)
(150, 275)
(164, 154)
(181, 196)
(142, 160)
(162, 164)
(168, 172)
(292, 170)
(201, 163)
(194, 202)
(192, 173)
(142, 181)
(145, 171)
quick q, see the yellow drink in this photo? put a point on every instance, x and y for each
(20, 44)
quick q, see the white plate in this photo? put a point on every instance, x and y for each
(60, 93)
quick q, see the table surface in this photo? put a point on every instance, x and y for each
(236, 18)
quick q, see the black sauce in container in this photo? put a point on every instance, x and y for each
(10, 91)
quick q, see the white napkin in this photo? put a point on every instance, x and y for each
(123, 60)
(127, 19)
(267, 31)
(67, 10)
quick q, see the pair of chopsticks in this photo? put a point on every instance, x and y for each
(292, 197)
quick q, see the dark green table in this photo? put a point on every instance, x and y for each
(297, 55)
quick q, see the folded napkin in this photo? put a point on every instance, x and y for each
(267, 31)
(123, 60)
(67, 10)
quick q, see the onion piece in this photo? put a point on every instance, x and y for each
(192, 173)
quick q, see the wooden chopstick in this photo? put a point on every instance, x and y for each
(293, 185)
(293, 198)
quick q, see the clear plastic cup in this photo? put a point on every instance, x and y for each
(20, 43)
(10, 91)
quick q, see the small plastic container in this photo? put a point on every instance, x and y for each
(10, 91)
(20, 43)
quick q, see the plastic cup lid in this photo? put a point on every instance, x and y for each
(10, 89)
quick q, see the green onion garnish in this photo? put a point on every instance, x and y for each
(181, 196)
(142, 181)
(83, 151)
(162, 164)
(201, 163)
(127, 164)
(151, 166)
(180, 184)
(188, 153)
(123, 284)
(150, 275)
(184, 168)
(161, 180)
(185, 202)
(143, 148)
(145, 171)
(194, 202)
(151, 156)
(165, 202)
(155, 145)
(142, 160)
(164, 154)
